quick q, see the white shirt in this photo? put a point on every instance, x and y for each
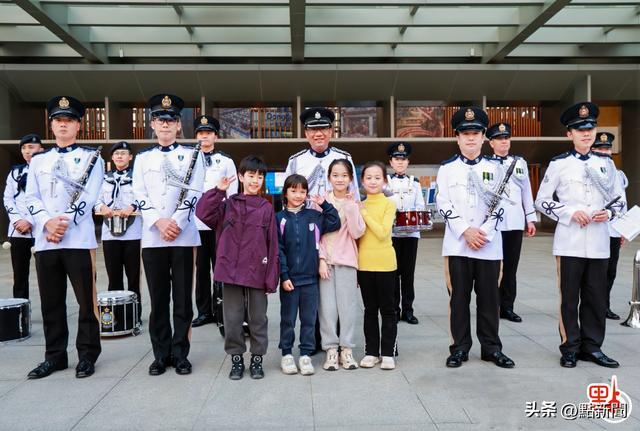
(567, 176)
(158, 174)
(518, 198)
(14, 200)
(314, 167)
(462, 206)
(49, 191)
(407, 195)
(217, 164)
(117, 193)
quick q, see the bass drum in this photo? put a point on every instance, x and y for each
(15, 319)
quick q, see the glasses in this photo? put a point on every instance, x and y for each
(169, 121)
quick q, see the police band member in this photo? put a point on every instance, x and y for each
(472, 245)
(407, 194)
(519, 214)
(20, 220)
(121, 228)
(166, 198)
(217, 165)
(584, 183)
(63, 186)
(603, 144)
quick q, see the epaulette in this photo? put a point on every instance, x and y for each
(452, 159)
(561, 156)
(20, 166)
(339, 151)
(299, 153)
(416, 179)
(595, 153)
(189, 146)
(222, 153)
(144, 150)
(88, 148)
(41, 152)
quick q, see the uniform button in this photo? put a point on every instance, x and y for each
(471, 220)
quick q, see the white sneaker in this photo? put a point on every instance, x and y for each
(306, 367)
(331, 362)
(346, 359)
(369, 361)
(288, 365)
(388, 363)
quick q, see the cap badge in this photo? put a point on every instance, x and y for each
(469, 115)
(318, 115)
(603, 138)
(401, 147)
(204, 120)
(583, 112)
(63, 102)
(166, 102)
(502, 127)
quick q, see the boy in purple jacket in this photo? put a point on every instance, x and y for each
(246, 260)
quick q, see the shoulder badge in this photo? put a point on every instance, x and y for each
(452, 159)
(299, 153)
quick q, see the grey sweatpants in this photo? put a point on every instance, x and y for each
(233, 311)
(338, 297)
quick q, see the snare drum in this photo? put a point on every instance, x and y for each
(118, 311)
(118, 225)
(15, 319)
(412, 221)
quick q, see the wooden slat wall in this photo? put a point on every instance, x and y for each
(93, 127)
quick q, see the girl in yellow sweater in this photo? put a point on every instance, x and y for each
(377, 270)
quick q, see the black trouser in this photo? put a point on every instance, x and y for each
(583, 303)
(612, 267)
(377, 289)
(119, 255)
(406, 251)
(53, 267)
(205, 261)
(20, 262)
(511, 246)
(463, 275)
(169, 272)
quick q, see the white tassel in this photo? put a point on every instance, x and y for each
(6, 245)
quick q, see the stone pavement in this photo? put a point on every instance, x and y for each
(421, 394)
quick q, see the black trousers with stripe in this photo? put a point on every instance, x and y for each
(205, 261)
(119, 256)
(583, 303)
(20, 262)
(511, 247)
(406, 252)
(612, 267)
(464, 275)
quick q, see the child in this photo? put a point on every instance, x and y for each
(377, 270)
(246, 260)
(299, 234)
(338, 271)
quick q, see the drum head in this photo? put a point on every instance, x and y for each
(13, 302)
(116, 296)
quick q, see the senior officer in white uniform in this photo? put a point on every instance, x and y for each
(63, 186)
(472, 245)
(519, 215)
(217, 165)
(169, 232)
(584, 183)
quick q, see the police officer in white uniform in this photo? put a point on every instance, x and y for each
(169, 232)
(603, 144)
(121, 250)
(519, 215)
(472, 245)
(20, 221)
(63, 186)
(584, 183)
(407, 195)
(217, 165)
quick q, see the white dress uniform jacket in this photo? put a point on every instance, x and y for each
(580, 182)
(158, 173)
(314, 167)
(407, 195)
(52, 176)
(117, 193)
(217, 164)
(518, 199)
(462, 206)
(14, 200)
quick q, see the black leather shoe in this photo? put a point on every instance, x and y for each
(157, 367)
(500, 359)
(44, 369)
(182, 366)
(611, 315)
(256, 367)
(510, 315)
(599, 358)
(457, 358)
(202, 319)
(409, 318)
(85, 368)
(568, 360)
(237, 367)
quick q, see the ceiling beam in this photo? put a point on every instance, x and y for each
(516, 36)
(297, 21)
(56, 23)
